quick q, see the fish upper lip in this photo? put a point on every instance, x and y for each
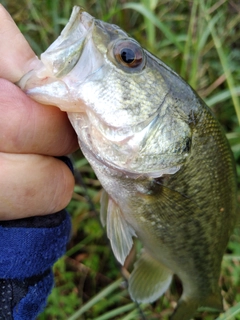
(79, 26)
(78, 16)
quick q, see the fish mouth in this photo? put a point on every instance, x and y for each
(64, 53)
(50, 81)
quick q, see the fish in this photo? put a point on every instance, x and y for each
(160, 154)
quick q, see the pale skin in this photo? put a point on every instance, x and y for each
(32, 181)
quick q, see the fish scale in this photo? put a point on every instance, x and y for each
(158, 151)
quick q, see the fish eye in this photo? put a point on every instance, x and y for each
(128, 53)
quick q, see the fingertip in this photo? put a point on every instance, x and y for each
(64, 185)
(44, 185)
(16, 56)
(31, 127)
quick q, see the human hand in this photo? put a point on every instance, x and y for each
(32, 182)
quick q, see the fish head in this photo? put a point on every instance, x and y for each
(128, 109)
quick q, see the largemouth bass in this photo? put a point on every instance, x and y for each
(159, 153)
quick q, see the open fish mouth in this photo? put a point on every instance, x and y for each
(69, 45)
(51, 80)
(66, 64)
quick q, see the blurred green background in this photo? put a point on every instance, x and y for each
(200, 40)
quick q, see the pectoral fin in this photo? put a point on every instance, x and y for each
(119, 232)
(149, 279)
(103, 209)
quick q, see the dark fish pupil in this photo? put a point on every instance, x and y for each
(127, 55)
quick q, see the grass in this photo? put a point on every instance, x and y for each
(201, 41)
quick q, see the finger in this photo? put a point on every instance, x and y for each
(16, 56)
(29, 127)
(43, 185)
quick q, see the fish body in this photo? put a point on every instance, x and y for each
(158, 151)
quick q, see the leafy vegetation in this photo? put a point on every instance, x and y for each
(200, 40)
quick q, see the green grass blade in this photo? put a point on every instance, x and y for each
(155, 20)
(188, 42)
(150, 27)
(131, 316)
(206, 32)
(222, 96)
(55, 5)
(105, 292)
(41, 26)
(134, 314)
(231, 257)
(223, 59)
(231, 313)
(116, 312)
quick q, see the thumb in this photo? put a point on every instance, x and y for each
(16, 56)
